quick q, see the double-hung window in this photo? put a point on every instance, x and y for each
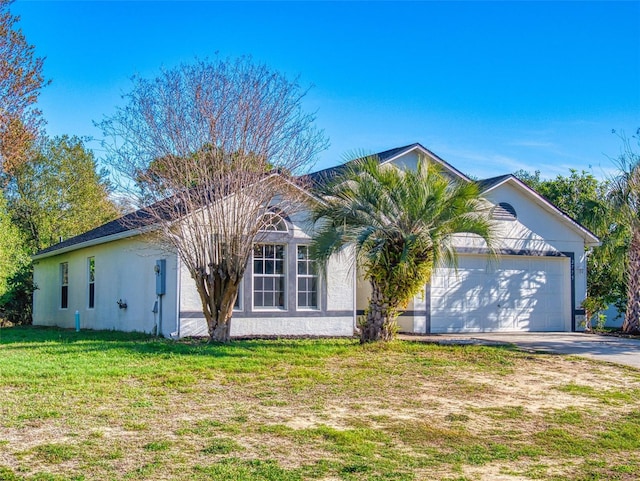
(64, 285)
(307, 280)
(269, 276)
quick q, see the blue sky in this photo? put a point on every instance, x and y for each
(490, 87)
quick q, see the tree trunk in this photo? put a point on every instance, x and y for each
(218, 297)
(380, 321)
(631, 323)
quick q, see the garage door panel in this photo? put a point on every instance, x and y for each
(518, 293)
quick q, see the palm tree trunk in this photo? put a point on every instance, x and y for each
(380, 321)
(631, 323)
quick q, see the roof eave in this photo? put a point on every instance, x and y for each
(145, 229)
(93, 242)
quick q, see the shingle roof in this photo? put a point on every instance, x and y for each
(134, 220)
(168, 209)
(325, 175)
(143, 218)
(486, 184)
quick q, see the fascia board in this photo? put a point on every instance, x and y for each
(93, 242)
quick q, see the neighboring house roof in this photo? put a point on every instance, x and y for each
(132, 224)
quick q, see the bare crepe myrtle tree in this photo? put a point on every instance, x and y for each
(211, 148)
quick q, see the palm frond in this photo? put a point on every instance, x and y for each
(401, 222)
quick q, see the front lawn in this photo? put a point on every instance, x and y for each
(114, 406)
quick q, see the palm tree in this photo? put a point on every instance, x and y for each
(401, 224)
(626, 198)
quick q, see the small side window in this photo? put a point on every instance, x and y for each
(237, 306)
(64, 285)
(307, 280)
(91, 276)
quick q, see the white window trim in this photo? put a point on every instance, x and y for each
(89, 283)
(286, 280)
(280, 220)
(240, 298)
(298, 276)
(62, 284)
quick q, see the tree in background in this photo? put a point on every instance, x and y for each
(625, 195)
(215, 145)
(58, 193)
(55, 193)
(20, 82)
(586, 199)
(13, 253)
(401, 224)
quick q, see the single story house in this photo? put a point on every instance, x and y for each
(114, 277)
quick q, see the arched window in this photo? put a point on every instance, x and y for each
(273, 222)
(504, 211)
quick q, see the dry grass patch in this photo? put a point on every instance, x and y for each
(112, 406)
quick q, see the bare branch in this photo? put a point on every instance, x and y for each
(210, 148)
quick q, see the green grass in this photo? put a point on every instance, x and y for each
(116, 406)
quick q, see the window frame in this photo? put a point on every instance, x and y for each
(240, 298)
(274, 222)
(263, 275)
(308, 262)
(64, 285)
(91, 282)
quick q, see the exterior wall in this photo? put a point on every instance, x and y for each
(613, 317)
(409, 161)
(536, 231)
(124, 270)
(413, 317)
(334, 317)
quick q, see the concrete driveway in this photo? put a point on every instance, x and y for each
(602, 348)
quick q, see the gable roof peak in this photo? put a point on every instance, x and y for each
(385, 156)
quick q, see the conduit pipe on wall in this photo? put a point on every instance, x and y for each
(161, 286)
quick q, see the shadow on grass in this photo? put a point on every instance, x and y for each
(27, 337)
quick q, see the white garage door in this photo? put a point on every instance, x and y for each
(516, 293)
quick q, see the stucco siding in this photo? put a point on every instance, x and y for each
(332, 317)
(124, 271)
(281, 326)
(536, 232)
(339, 282)
(537, 229)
